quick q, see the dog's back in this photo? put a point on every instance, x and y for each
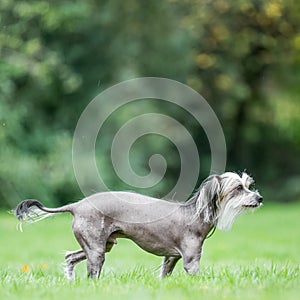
(127, 207)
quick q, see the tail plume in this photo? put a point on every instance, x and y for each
(31, 211)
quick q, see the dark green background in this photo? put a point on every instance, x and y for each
(56, 56)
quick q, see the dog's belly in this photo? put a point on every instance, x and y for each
(158, 248)
(158, 243)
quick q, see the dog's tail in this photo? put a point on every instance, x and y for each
(32, 210)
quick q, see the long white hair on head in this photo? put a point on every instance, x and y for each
(228, 212)
(231, 207)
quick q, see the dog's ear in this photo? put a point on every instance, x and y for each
(212, 188)
(208, 196)
(247, 180)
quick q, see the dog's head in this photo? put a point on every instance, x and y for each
(223, 197)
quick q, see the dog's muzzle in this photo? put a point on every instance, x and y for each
(259, 199)
(257, 203)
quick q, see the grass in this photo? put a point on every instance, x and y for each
(258, 259)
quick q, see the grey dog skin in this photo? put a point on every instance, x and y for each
(171, 229)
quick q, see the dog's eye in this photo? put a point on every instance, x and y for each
(240, 187)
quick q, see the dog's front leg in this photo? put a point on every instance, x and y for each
(192, 264)
(191, 256)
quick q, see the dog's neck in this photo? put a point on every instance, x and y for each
(196, 224)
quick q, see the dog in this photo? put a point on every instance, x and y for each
(173, 230)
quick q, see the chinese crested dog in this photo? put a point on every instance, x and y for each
(173, 230)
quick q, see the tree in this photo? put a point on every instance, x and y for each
(55, 57)
(246, 52)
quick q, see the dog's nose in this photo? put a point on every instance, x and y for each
(259, 198)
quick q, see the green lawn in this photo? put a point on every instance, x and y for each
(258, 259)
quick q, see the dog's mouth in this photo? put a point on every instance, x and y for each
(252, 205)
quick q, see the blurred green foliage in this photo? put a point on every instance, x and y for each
(242, 56)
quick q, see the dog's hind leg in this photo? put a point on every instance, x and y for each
(168, 265)
(96, 256)
(73, 258)
(95, 261)
(92, 238)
